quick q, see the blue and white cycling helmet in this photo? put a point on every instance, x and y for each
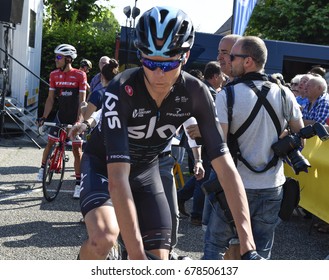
(164, 31)
(66, 50)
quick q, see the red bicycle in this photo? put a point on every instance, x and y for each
(55, 163)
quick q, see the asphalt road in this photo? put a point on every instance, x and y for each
(33, 229)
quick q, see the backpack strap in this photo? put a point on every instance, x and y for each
(229, 90)
(261, 101)
(262, 97)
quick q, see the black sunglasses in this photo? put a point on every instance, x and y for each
(232, 56)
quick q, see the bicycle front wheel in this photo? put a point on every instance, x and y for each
(53, 176)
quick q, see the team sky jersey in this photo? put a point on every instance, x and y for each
(135, 130)
(67, 87)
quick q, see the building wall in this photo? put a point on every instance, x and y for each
(23, 85)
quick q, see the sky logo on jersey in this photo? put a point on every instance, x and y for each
(111, 113)
(148, 131)
(129, 90)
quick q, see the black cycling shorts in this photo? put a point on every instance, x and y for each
(152, 206)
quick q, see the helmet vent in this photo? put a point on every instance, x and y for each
(163, 14)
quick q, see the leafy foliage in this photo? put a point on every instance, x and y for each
(92, 38)
(86, 9)
(303, 21)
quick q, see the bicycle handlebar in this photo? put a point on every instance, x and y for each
(57, 124)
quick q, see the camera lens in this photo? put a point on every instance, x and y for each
(298, 161)
(321, 131)
(307, 132)
(286, 145)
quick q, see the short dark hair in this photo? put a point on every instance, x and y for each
(212, 68)
(254, 47)
(317, 69)
(196, 73)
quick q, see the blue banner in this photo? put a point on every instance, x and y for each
(242, 11)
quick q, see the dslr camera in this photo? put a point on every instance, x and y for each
(289, 146)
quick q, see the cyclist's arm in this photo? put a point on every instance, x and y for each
(79, 128)
(49, 103)
(82, 94)
(82, 98)
(198, 167)
(237, 200)
(91, 108)
(123, 202)
(196, 150)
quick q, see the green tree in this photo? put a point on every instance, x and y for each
(63, 9)
(92, 38)
(303, 21)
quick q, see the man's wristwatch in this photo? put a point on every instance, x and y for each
(198, 160)
(87, 124)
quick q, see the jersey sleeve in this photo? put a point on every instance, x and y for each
(83, 82)
(96, 98)
(52, 85)
(221, 107)
(114, 124)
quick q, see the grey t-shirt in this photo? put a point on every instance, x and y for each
(255, 143)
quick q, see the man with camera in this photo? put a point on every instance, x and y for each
(260, 108)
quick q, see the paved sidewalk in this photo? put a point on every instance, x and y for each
(34, 229)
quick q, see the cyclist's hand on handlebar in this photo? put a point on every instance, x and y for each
(40, 121)
(77, 129)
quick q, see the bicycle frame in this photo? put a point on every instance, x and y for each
(55, 164)
(59, 152)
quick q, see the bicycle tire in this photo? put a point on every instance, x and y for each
(52, 180)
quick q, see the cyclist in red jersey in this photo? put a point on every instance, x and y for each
(68, 86)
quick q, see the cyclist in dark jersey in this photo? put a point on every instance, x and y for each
(142, 109)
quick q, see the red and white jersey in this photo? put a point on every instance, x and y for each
(67, 87)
